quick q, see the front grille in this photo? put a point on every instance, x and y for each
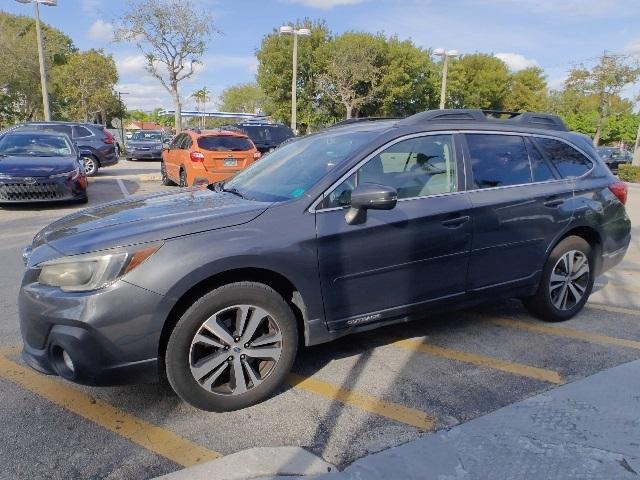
(15, 191)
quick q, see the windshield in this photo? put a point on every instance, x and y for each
(292, 169)
(148, 136)
(222, 143)
(36, 145)
(270, 134)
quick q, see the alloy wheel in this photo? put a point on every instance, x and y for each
(89, 165)
(235, 350)
(183, 178)
(569, 280)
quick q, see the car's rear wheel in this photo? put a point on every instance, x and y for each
(567, 281)
(91, 166)
(165, 178)
(183, 178)
(232, 348)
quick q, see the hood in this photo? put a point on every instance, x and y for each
(146, 219)
(25, 166)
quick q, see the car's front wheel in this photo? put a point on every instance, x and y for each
(91, 166)
(567, 281)
(183, 178)
(232, 348)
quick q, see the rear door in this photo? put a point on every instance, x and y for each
(225, 154)
(520, 205)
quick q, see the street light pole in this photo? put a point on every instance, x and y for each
(43, 70)
(445, 71)
(305, 32)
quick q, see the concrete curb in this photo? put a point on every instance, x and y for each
(152, 177)
(256, 462)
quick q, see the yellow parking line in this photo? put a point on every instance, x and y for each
(568, 333)
(410, 416)
(612, 309)
(153, 438)
(482, 360)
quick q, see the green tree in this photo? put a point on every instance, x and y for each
(245, 98)
(201, 96)
(410, 81)
(353, 70)
(85, 85)
(173, 36)
(20, 93)
(527, 91)
(604, 82)
(477, 81)
(275, 70)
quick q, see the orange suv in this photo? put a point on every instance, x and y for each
(202, 157)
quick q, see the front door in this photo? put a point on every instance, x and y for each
(402, 259)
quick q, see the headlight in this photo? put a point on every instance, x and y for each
(72, 173)
(91, 271)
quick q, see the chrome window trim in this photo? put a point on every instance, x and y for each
(315, 204)
(314, 207)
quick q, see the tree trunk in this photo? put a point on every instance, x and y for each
(178, 108)
(349, 111)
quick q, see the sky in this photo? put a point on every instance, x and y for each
(552, 34)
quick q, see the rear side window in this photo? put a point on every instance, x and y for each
(81, 132)
(539, 166)
(498, 160)
(569, 161)
(58, 128)
(224, 143)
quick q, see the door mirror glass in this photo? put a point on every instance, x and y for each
(370, 196)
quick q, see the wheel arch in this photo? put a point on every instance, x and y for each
(591, 236)
(281, 284)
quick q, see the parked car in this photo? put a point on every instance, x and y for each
(40, 167)
(349, 229)
(146, 144)
(614, 157)
(202, 157)
(96, 143)
(265, 135)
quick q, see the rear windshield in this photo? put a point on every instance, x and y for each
(35, 145)
(268, 133)
(222, 143)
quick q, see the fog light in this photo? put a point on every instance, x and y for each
(66, 359)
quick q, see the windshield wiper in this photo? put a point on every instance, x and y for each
(235, 191)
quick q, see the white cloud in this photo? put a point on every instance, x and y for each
(633, 48)
(132, 65)
(144, 95)
(101, 31)
(223, 62)
(326, 4)
(515, 61)
(90, 6)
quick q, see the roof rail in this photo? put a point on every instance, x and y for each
(349, 121)
(528, 119)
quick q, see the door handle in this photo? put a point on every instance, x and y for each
(455, 222)
(553, 202)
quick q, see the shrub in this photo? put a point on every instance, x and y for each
(629, 173)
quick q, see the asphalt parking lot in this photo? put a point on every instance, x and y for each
(345, 399)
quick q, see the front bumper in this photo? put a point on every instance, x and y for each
(111, 335)
(150, 154)
(36, 189)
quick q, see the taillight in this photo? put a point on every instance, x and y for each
(256, 155)
(619, 189)
(196, 156)
(107, 137)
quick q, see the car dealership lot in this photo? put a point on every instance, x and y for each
(357, 395)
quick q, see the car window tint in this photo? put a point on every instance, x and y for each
(539, 166)
(224, 143)
(498, 160)
(415, 167)
(569, 161)
(81, 132)
(187, 142)
(175, 143)
(58, 128)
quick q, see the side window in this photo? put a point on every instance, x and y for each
(415, 167)
(58, 129)
(81, 132)
(539, 166)
(187, 143)
(175, 144)
(498, 160)
(569, 161)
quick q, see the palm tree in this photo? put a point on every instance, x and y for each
(201, 97)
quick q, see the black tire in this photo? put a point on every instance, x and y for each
(166, 181)
(178, 353)
(129, 159)
(542, 304)
(83, 200)
(91, 166)
(183, 178)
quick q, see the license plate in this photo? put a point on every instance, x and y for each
(230, 162)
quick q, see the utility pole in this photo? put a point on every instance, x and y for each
(636, 150)
(121, 119)
(304, 32)
(440, 52)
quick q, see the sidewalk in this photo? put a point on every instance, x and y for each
(586, 429)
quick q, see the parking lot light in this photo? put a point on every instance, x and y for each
(303, 32)
(440, 52)
(43, 71)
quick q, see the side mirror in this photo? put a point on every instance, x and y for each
(370, 196)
